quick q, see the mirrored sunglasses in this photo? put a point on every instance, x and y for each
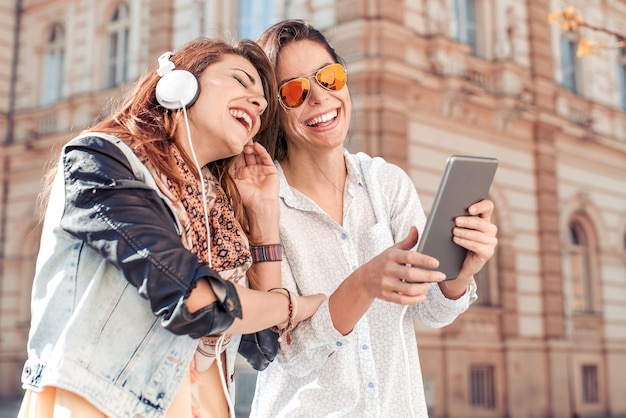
(294, 92)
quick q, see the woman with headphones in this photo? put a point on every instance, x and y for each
(156, 218)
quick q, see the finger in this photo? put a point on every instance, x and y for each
(476, 223)
(238, 164)
(250, 155)
(484, 233)
(401, 299)
(407, 294)
(415, 274)
(484, 208)
(481, 244)
(410, 240)
(263, 157)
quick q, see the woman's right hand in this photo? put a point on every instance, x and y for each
(396, 275)
(307, 306)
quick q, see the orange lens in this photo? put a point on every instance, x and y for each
(332, 77)
(293, 92)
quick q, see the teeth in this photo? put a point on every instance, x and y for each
(240, 114)
(322, 118)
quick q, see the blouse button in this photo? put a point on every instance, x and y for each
(344, 236)
(364, 346)
(370, 385)
(338, 343)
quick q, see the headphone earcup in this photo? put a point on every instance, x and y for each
(177, 89)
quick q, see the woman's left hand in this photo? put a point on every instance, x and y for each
(257, 180)
(477, 234)
(256, 175)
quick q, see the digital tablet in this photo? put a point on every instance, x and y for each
(465, 181)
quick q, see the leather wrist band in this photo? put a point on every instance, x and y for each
(270, 252)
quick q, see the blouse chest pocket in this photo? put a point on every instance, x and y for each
(376, 239)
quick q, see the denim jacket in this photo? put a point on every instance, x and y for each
(109, 320)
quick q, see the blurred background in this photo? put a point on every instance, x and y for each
(428, 78)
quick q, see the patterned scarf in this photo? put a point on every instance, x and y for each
(230, 255)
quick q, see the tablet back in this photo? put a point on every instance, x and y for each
(465, 181)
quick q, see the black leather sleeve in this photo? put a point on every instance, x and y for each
(127, 222)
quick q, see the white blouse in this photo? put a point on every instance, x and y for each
(362, 374)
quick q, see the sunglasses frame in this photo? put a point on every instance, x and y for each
(306, 78)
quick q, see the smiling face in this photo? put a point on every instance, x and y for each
(323, 119)
(226, 115)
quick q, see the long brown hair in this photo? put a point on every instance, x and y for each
(273, 40)
(141, 122)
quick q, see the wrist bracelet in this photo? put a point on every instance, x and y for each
(293, 309)
(270, 252)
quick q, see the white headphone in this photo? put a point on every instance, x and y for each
(176, 89)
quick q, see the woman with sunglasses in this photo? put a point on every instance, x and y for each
(349, 225)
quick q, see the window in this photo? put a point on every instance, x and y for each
(590, 383)
(466, 12)
(482, 386)
(53, 62)
(579, 269)
(118, 31)
(621, 75)
(569, 62)
(254, 17)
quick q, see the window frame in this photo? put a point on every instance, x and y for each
(470, 24)
(580, 267)
(118, 46)
(621, 77)
(571, 71)
(53, 66)
(590, 383)
(482, 393)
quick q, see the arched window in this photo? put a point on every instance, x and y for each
(118, 32)
(579, 269)
(570, 67)
(53, 62)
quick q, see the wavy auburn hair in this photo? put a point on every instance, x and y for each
(141, 122)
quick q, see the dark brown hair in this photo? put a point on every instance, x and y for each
(273, 40)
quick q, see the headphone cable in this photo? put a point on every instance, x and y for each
(220, 341)
(202, 185)
(406, 362)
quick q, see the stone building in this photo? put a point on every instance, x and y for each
(428, 78)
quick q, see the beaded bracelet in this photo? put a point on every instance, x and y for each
(293, 309)
(270, 252)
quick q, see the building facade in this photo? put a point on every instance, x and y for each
(428, 78)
